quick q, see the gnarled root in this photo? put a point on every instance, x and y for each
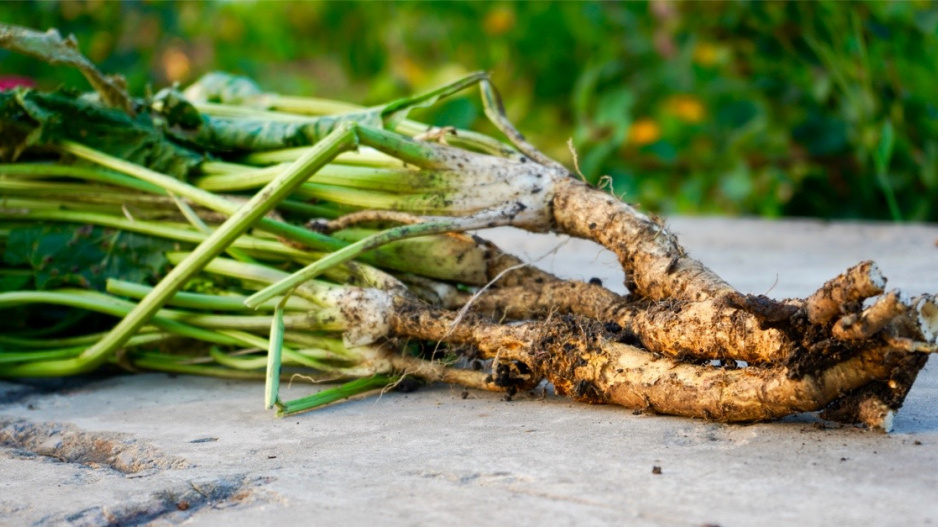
(735, 327)
(627, 376)
(582, 359)
(655, 264)
(689, 311)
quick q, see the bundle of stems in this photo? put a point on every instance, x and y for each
(314, 237)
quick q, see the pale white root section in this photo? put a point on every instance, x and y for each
(861, 281)
(926, 309)
(364, 312)
(865, 324)
(487, 182)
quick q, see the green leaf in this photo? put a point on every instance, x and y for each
(14, 282)
(30, 118)
(86, 256)
(884, 148)
(881, 158)
(254, 135)
(613, 108)
(183, 122)
(393, 113)
(822, 135)
(225, 88)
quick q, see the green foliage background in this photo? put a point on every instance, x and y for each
(818, 109)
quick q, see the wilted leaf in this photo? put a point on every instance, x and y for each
(251, 135)
(225, 88)
(52, 48)
(30, 118)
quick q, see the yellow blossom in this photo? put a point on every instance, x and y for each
(175, 64)
(706, 54)
(410, 71)
(686, 108)
(643, 132)
(499, 20)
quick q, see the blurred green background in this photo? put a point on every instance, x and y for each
(775, 109)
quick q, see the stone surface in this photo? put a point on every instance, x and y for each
(164, 450)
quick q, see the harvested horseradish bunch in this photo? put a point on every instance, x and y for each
(227, 231)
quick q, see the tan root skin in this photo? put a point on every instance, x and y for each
(691, 312)
(576, 355)
(634, 379)
(719, 324)
(703, 330)
(656, 266)
(861, 281)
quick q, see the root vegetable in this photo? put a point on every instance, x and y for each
(384, 265)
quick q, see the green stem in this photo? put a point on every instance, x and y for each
(485, 219)
(12, 357)
(245, 180)
(175, 322)
(229, 302)
(242, 219)
(272, 379)
(248, 363)
(166, 230)
(291, 355)
(80, 340)
(200, 225)
(42, 170)
(363, 158)
(146, 363)
(187, 323)
(319, 340)
(78, 192)
(211, 201)
(407, 181)
(332, 395)
(7, 357)
(314, 291)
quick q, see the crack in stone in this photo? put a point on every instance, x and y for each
(171, 505)
(69, 444)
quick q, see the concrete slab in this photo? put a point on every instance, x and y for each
(155, 449)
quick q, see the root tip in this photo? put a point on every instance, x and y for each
(927, 308)
(888, 421)
(876, 276)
